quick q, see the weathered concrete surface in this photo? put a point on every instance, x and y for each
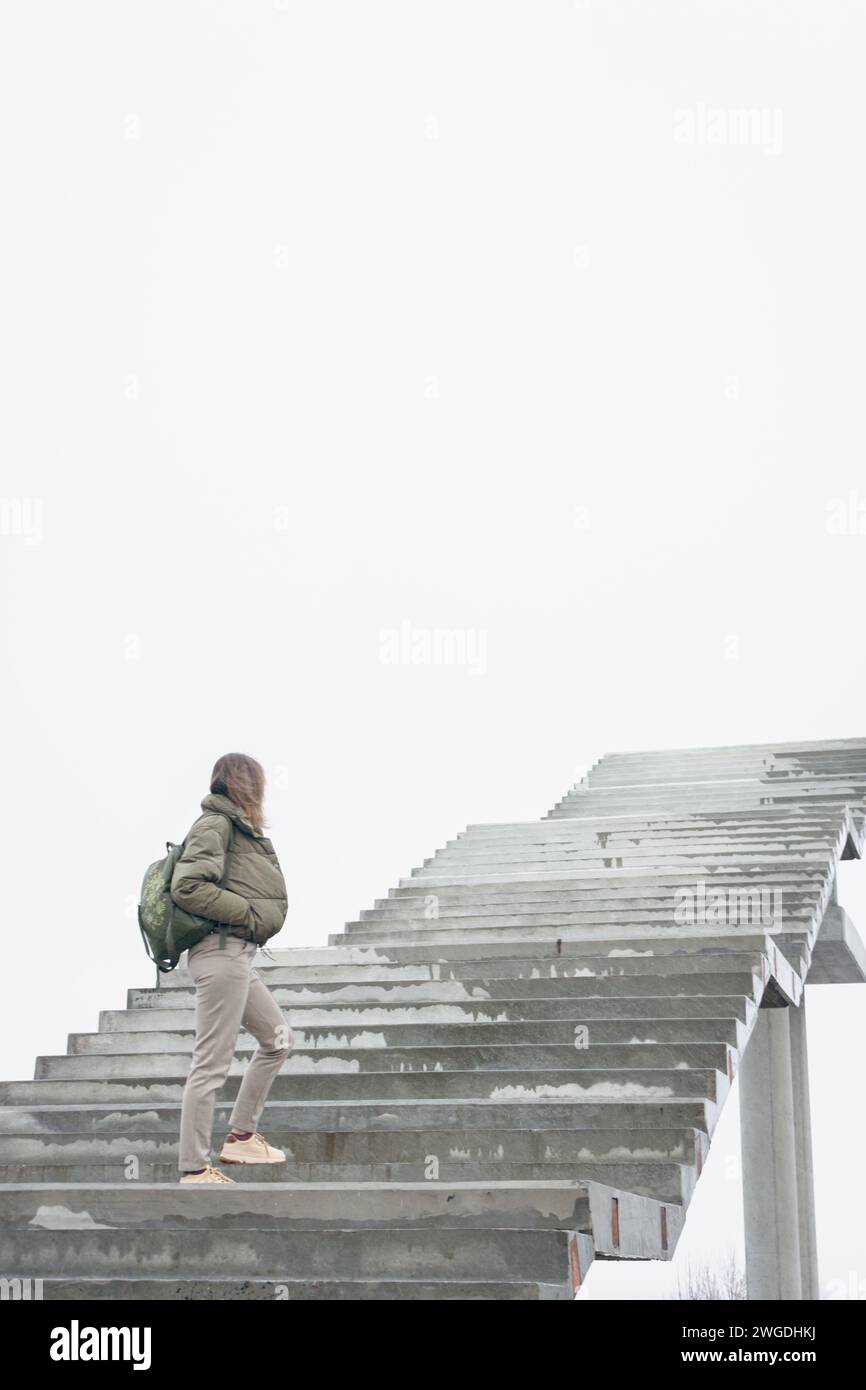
(806, 1232)
(513, 1062)
(838, 956)
(770, 1161)
(448, 1289)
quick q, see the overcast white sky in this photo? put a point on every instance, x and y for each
(495, 318)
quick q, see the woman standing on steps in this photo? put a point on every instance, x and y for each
(229, 873)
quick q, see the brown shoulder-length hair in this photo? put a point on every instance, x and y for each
(242, 780)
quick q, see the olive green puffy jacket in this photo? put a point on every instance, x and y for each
(230, 874)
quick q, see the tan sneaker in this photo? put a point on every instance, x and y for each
(209, 1175)
(256, 1149)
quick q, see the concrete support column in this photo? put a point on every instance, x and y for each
(772, 1225)
(803, 1152)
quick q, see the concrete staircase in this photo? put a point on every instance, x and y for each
(512, 1064)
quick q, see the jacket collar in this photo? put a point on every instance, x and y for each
(215, 801)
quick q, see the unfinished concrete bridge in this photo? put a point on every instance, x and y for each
(510, 1066)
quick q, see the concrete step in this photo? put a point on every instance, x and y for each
(591, 1084)
(737, 872)
(626, 974)
(456, 1007)
(178, 1035)
(305, 1231)
(388, 937)
(461, 901)
(669, 1183)
(310, 1230)
(733, 821)
(754, 913)
(302, 1290)
(537, 1139)
(707, 982)
(626, 852)
(508, 1057)
(659, 829)
(544, 945)
(618, 888)
(158, 1144)
(612, 883)
(712, 923)
(659, 797)
(642, 938)
(518, 966)
(553, 946)
(140, 1121)
(288, 1207)
(701, 795)
(565, 982)
(711, 773)
(687, 866)
(487, 866)
(476, 1253)
(742, 819)
(748, 819)
(745, 820)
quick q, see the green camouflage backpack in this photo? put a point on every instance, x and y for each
(166, 929)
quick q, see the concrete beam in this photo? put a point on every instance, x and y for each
(838, 956)
(769, 1151)
(803, 1152)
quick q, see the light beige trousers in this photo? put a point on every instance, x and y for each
(229, 995)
